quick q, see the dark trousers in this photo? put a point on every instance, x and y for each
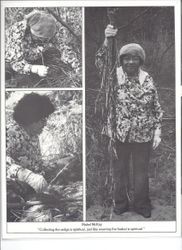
(140, 153)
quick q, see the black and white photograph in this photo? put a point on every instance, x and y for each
(90, 121)
(43, 47)
(130, 114)
(44, 156)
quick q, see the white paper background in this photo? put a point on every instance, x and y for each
(90, 244)
(105, 243)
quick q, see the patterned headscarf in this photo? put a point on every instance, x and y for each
(133, 48)
(41, 24)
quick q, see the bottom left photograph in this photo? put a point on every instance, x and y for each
(44, 156)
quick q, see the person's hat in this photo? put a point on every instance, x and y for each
(41, 24)
(133, 48)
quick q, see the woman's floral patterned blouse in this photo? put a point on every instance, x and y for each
(22, 150)
(138, 112)
(22, 50)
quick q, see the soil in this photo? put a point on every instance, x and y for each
(159, 213)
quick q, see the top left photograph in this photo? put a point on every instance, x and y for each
(43, 47)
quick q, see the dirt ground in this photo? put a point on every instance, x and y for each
(159, 213)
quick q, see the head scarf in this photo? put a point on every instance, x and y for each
(41, 24)
(133, 48)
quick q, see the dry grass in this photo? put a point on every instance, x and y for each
(59, 74)
(61, 146)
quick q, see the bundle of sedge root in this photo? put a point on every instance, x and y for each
(61, 201)
(106, 101)
(59, 72)
(57, 203)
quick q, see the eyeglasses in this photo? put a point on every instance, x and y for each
(41, 39)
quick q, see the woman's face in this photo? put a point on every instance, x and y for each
(40, 39)
(131, 64)
(36, 128)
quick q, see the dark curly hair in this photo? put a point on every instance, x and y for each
(32, 108)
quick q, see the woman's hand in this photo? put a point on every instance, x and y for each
(41, 70)
(110, 31)
(40, 48)
(156, 141)
(36, 181)
(157, 138)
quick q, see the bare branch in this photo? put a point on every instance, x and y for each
(168, 118)
(58, 18)
(66, 167)
(134, 19)
(166, 50)
(166, 89)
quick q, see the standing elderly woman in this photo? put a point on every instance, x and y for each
(138, 124)
(25, 42)
(24, 162)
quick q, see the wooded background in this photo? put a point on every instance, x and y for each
(153, 29)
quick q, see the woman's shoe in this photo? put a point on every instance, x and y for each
(118, 210)
(145, 212)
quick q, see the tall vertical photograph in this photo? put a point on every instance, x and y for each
(130, 114)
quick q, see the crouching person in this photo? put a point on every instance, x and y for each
(26, 43)
(24, 161)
